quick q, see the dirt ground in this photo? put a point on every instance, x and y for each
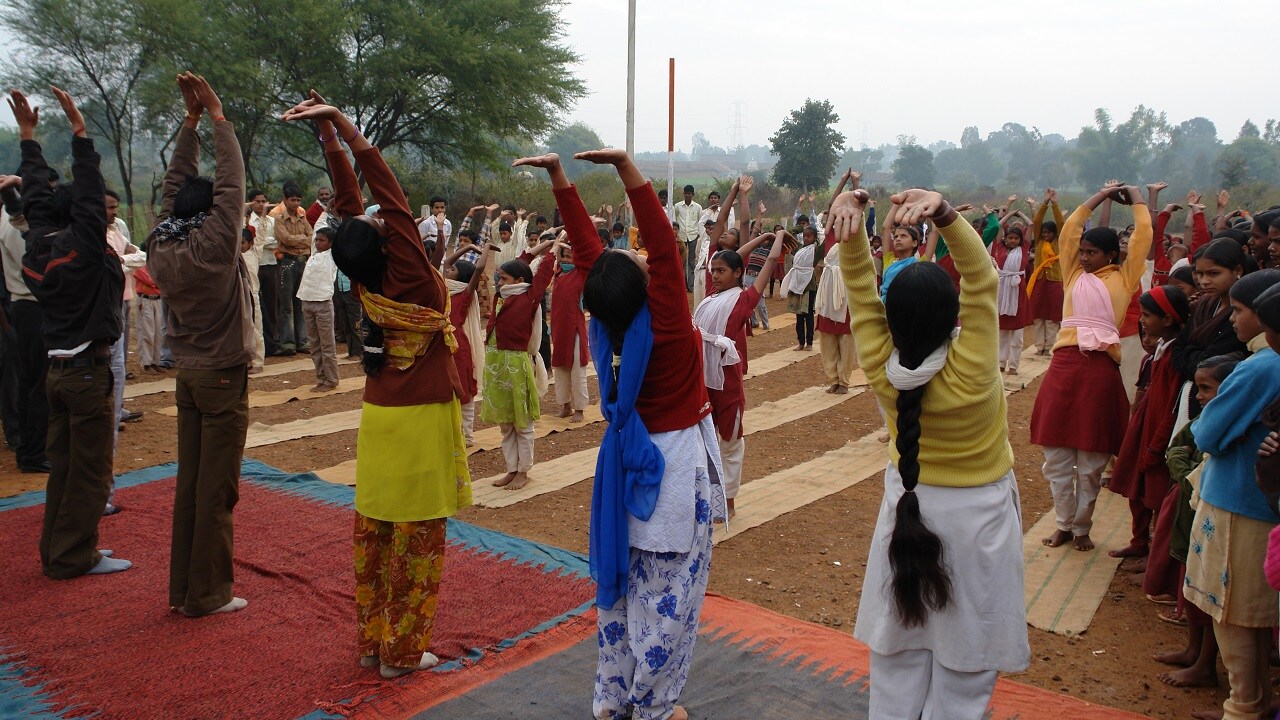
(806, 564)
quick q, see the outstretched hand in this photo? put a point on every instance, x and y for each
(70, 110)
(28, 117)
(846, 212)
(208, 98)
(603, 156)
(745, 183)
(912, 206)
(10, 181)
(313, 108)
(186, 83)
(546, 162)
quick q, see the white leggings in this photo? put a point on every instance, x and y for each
(911, 685)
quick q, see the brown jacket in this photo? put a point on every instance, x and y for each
(293, 233)
(202, 277)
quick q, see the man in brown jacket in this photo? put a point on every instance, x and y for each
(294, 236)
(194, 255)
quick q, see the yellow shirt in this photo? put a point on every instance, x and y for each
(1121, 281)
(1054, 270)
(964, 438)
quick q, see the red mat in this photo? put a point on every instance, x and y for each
(108, 645)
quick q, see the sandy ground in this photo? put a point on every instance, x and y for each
(807, 564)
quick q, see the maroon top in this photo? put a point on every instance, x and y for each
(729, 403)
(1023, 317)
(567, 318)
(673, 395)
(409, 278)
(1140, 471)
(458, 309)
(512, 323)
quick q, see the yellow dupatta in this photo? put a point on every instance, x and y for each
(407, 328)
(1045, 256)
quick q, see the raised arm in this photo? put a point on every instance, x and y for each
(476, 276)
(184, 160)
(931, 243)
(870, 329)
(37, 196)
(228, 180)
(88, 202)
(1069, 232)
(1135, 263)
(722, 218)
(583, 237)
(775, 250)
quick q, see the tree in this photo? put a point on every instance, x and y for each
(807, 146)
(1250, 130)
(864, 160)
(914, 164)
(1108, 151)
(572, 139)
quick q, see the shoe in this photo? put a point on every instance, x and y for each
(41, 466)
(255, 371)
(304, 348)
(132, 416)
(129, 376)
(111, 510)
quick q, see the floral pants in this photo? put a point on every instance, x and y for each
(398, 568)
(646, 640)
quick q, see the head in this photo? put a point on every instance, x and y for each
(615, 290)
(688, 194)
(468, 237)
(246, 240)
(730, 239)
(1209, 375)
(512, 272)
(258, 202)
(1219, 265)
(438, 205)
(617, 230)
(1267, 308)
(292, 197)
(1049, 231)
(1013, 237)
(194, 196)
(324, 196)
(462, 271)
(877, 242)
(542, 222)
(1176, 252)
(1273, 244)
(1164, 310)
(566, 254)
(504, 232)
(324, 239)
(113, 206)
(905, 241)
(1099, 248)
(726, 270)
(1149, 342)
(802, 221)
(531, 236)
(1184, 279)
(662, 196)
(1260, 234)
(713, 199)
(1244, 295)
(359, 251)
(809, 235)
(921, 308)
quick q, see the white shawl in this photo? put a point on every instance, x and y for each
(711, 317)
(905, 379)
(1008, 295)
(833, 300)
(801, 272)
(471, 328)
(535, 337)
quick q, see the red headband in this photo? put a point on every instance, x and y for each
(1157, 294)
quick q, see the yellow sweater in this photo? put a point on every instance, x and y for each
(964, 438)
(1121, 281)
(1053, 271)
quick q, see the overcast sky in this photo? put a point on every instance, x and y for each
(925, 68)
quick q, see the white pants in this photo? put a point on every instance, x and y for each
(469, 422)
(259, 345)
(1074, 478)
(1131, 354)
(911, 684)
(1044, 333)
(839, 357)
(150, 331)
(571, 386)
(1010, 348)
(517, 447)
(731, 454)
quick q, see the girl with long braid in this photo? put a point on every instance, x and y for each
(943, 608)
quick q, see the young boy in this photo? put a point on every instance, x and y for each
(251, 253)
(316, 294)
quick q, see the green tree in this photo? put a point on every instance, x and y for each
(914, 165)
(807, 146)
(1122, 151)
(570, 139)
(864, 160)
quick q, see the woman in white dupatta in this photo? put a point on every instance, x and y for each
(800, 288)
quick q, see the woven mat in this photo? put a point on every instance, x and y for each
(776, 361)
(134, 390)
(566, 470)
(1066, 586)
(267, 398)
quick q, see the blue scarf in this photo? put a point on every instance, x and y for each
(629, 468)
(892, 273)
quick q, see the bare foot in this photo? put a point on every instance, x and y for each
(520, 480)
(1134, 565)
(1189, 678)
(566, 412)
(577, 417)
(1181, 658)
(1129, 551)
(1057, 539)
(679, 714)
(832, 389)
(1083, 543)
(840, 390)
(1136, 579)
(1215, 714)
(505, 480)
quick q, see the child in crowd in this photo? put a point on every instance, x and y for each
(831, 308)
(150, 319)
(800, 288)
(514, 376)
(1044, 287)
(569, 353)
(250, 252)
(1013, 263)
(461, 278)
(315, 291)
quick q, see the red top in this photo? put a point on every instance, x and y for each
(567, 319)
(409, 278)
(1000, 252)
(513, 321)
(314, 212)
(1132, 315)
(729, 403)
(1199, 234)
(459, 306)
(826, 325)
(673, 395)
(143, 284)
(1140, 472)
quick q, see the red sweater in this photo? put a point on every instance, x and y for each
(673, 395)
(729, 403)
(409, 278)
(513, 322)
(567, 320)
(458, 309)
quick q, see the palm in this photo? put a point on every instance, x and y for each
(910, 206)
(547, 161)
(26, 115)
(603, 156)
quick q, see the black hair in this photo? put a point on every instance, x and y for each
(1103, 238)
(1267, 307)
(1241, 238)
(662, 193)
(246, 235)
(326, 231)
(1220, 366)
(713, 192)
(913, 231)
(504, 226)
(1267, 217)
(194, 196)
(531, 231)
(605, 238)
(437, 199)
(613, 293)
(802, 219)
(1016, 230)
(1247, 289)
(730, 258)
(471, 235)
(541, 219)
(291, 189)
(1225, 252)
(465, 270)
(619, 227)
(112, 194)
(1049, 226)
(1184, 274)
(357, 251)
(921, 307)
(688, 188)
(808, 229)
(509, 208)
(254, 193)
(518, 270)
(1176, 298)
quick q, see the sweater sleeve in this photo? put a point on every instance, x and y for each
(1240, 401)
(1037, 220)
(975, 351)
(991, 231)
(346, 187)
(1135, 263)
(577, 223)
(668, 302)
(182, 164)
(870, 329)
(1069, 241)
(222, 228)
(1199, 233)
(1162, 221)
(88, 201)
(404, 244)
(542, 278)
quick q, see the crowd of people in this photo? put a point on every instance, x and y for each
(1162, 386)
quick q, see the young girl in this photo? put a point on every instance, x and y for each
(650, 543)
(943, 609)
(1013, 261)
(411, 468)
(1184, 279)
(722, 318)
(905, 242)
(1231, 525)
(800, 288)
(1044, 286)
(1209, 333)
(1083, 380)
(512, 384)
(569, 337)
(1140, 472)
(461, 279)
(835, 337)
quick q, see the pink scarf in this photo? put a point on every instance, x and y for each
(1094, 318)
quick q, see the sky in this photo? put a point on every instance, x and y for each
(927, 68)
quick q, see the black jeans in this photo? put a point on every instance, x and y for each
(347, 310)
(267, 281)
(804, 322)
(292, 329)
(33, 366)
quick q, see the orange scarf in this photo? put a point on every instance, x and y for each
(1046, 257)
(407, 328)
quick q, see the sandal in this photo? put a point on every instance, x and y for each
(1173, 618)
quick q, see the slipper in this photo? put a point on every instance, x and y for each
(1162, 599)
(1172, 619)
